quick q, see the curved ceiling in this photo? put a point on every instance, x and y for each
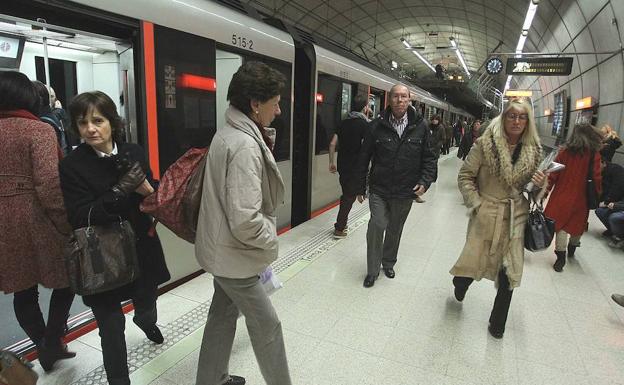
(374, 28)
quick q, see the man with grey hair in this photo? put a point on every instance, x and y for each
(403, 167)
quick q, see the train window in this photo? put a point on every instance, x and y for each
(186, 102)
(227, 64)
(346, 101)
(328, 109)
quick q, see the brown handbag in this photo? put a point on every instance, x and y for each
(102, 257)
(15, 371)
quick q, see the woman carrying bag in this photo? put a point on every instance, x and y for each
(568, 204)
(503, 160)
(103, 182)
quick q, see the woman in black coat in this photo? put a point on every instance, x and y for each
(110, 179)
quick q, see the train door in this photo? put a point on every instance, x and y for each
(378, 98)
(72, 55)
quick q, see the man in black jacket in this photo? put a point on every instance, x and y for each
(349, 136)
(611, 210)
(403, 167)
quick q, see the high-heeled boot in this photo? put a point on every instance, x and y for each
(560, 262)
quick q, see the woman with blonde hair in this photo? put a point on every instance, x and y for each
(502, 161)
(568, 203)
(610, 142)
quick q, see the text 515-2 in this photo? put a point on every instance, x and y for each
(242, 42)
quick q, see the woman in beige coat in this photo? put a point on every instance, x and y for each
(503, 160)
(236, 233)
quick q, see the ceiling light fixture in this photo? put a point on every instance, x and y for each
(528, 20)
(418, 55)
(459, 55)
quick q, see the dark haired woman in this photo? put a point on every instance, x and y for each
(468, 140)
(104, 179)
(34, 226)
(568, 202)
(236, 231)
(46, 115)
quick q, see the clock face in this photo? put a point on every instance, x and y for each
(494, 66)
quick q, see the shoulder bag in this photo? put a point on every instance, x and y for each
(102, 257)
(540, 230)
(592, 194)
(15, 371)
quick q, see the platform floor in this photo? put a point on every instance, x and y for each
(563, 328)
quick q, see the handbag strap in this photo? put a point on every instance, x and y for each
(89, 217)
(590, 170)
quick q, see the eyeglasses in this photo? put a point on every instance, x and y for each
(511, 116)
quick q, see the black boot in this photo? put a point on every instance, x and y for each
(28, 313)
(49, 353)
(571, 250)
(560, 262)
(500, 310)
(461, 287)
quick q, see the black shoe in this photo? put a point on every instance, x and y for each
(560, 262)
(571, 250)
(607, 233)
(460, 290)
(154, 335)
(235, 380)
(48, 355)
(389, 272)
(498, 334)
(369, 281)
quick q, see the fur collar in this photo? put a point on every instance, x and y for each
(498, 157)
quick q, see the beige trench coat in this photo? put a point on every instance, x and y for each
(498, 215)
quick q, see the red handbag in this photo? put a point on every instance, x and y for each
(176, 202)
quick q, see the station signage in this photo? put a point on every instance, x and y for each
(559, 66)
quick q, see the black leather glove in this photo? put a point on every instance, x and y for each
(130, 180)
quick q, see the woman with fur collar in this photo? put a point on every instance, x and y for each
(503, 160)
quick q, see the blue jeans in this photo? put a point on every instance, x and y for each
(613, 220)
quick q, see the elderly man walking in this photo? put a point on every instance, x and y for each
(403, 167)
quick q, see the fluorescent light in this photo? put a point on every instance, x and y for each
(405, 43)
(453, 43)
(508, 83)
(529, 16)
(394, 64)
(521, 42)
(459, 55)
(423, 60)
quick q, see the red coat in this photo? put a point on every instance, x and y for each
(568, 202)
(31, 203)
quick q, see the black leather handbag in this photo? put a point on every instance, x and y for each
(593, 200)
(102, 257)
(540, 230)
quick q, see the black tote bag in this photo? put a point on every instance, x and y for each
(102, 257)
(540, 230)
(593, 200)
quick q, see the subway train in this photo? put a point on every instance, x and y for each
(167, 64)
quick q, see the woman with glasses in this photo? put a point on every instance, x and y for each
(568, 203)
(502, 161)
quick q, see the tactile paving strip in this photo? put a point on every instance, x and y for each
(174, 332)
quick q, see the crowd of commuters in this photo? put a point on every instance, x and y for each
(50, 187)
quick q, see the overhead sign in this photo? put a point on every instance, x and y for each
(519, 93)
(539, 66)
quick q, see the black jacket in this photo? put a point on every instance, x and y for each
(398, 164)
(351, 133)
(613, 185)
(609, 147)
(86, 181)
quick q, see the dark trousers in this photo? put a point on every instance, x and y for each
(28, 314)
(112, 324)
(347, 198)
(500, 310)
(446, 146)
(613, 220)
(384, 231)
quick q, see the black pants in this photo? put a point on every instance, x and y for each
(347, 183)
(500, 310)
(112, 324)
(446, 146)
(28, 314)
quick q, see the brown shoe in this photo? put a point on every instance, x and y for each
(418, 199)
(340, 234)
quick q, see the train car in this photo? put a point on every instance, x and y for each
(167, 65)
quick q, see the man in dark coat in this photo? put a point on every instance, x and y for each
(403, 167)
(611, 210)
(349, 136)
